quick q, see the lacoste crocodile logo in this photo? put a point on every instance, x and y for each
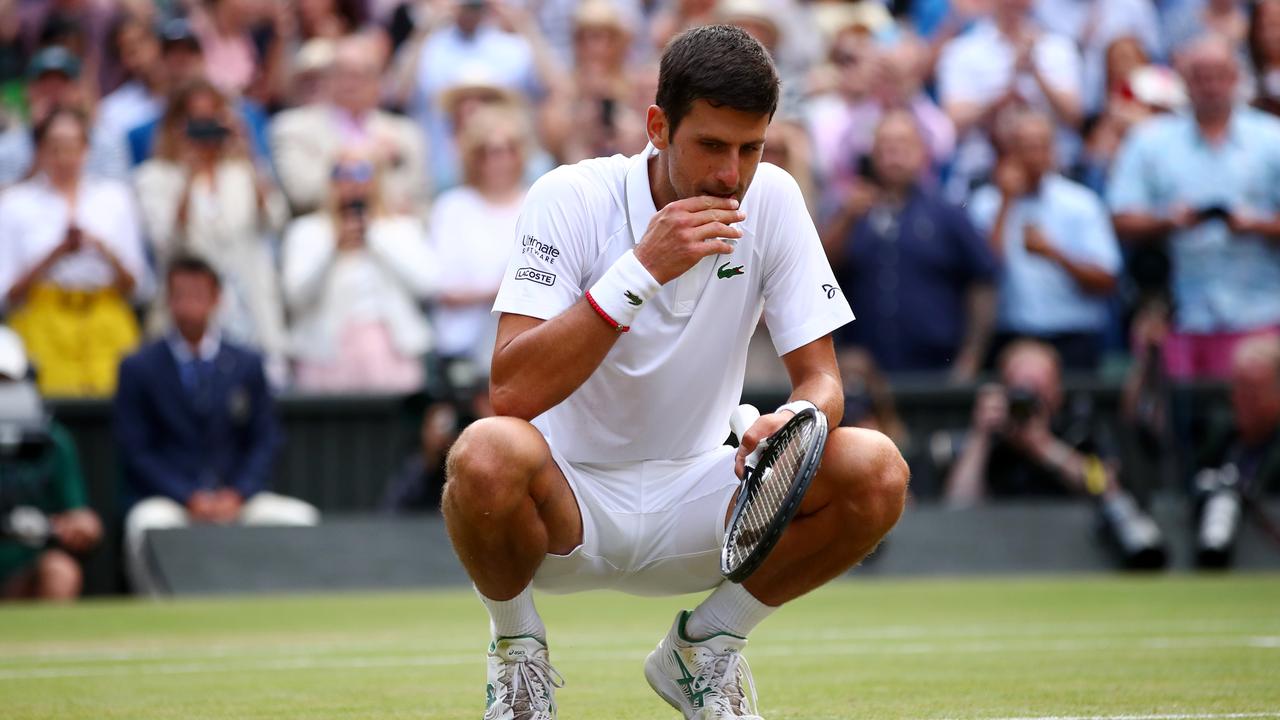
(724, 271)
(632, 298)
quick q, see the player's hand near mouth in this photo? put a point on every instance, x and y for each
(685, 231)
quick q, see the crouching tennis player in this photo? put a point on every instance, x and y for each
(633, 289)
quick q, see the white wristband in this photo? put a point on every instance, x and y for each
(796, 406)
(621, 293)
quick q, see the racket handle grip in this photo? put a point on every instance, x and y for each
(742, 418)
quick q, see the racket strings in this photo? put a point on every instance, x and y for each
(769, 488)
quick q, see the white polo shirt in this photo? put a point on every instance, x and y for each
(665, 390)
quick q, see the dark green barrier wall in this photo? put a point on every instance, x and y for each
(339, 452)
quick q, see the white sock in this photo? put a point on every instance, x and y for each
(728, 609)
(516, 617)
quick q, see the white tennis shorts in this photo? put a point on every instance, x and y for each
(648, 528)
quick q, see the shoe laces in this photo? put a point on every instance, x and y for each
(726, 676)
(528, 681)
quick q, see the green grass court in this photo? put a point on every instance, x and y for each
(1092, 647)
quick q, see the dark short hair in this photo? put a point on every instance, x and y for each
(193, 265)
(721, 64)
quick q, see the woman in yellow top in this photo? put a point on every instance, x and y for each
(71, 260)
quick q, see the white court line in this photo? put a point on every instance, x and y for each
(1190, 716)
(243, 664)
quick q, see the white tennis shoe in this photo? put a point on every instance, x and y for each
(703, 679)
(522, 683)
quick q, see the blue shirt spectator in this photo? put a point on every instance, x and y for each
(911, 264)
(1207, 187)
(1222, 280)
(1060, 252)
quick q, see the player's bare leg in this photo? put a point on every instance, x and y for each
(852, 504)
(506, 505)
(854, 501)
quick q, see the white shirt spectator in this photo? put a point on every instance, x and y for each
(130, 106)
(472, 238)
(34, 219)
(226, 228)
(325, 288)
(1094, 25)
(978, 67)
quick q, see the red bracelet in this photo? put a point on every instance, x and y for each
(600, 311)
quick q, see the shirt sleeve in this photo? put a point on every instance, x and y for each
(1060, 62)
(68, 479)
(1128, 190)
(802, 300)
(983, 207)
(978, 261)
(1098, 244)
(954, 74)
(548, 264)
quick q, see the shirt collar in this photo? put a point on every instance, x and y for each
(210, 344)
(640, 207)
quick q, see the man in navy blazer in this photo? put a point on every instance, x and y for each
(195, 426)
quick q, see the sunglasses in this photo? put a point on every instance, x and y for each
(354, 172)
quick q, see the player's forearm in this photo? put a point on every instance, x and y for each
(824, 390)
(542, 366)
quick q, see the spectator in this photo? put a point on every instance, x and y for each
(896, 77)
(1264, 54)
(918, 273)
(1191, 19)
(183, 60)
(354, 274)
(833, 114)
(54, 82)
(202, 195)
(599, 120)
(1240, 463)
(676, 16)
(1026, 441)
(558, 20)
(1006, 62)
(234, 63)
(195, 428)
(787, 146)
(1094, 25)
(71, 259)
(490, 44)
(1135, 92)
(305, 141)
(1056, 244)
(419, 482)
(39, 471)
(472, 233)
(1205, 185)
(140, 99)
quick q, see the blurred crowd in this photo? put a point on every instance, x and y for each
(1099, 178)
(981, 170)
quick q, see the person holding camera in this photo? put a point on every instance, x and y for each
(44, 518)
(919, 274)
(201, 194)
(1058, 250)
(1204, 186)
(1026, 440)
(71, 262)
(354, 275)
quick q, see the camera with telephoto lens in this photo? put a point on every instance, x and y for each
(1219, 506)
(1024, 403)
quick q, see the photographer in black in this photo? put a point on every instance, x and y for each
(1025, 441)
(43, 518)
(1240, 462)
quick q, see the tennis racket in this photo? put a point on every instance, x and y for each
(778, 473)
